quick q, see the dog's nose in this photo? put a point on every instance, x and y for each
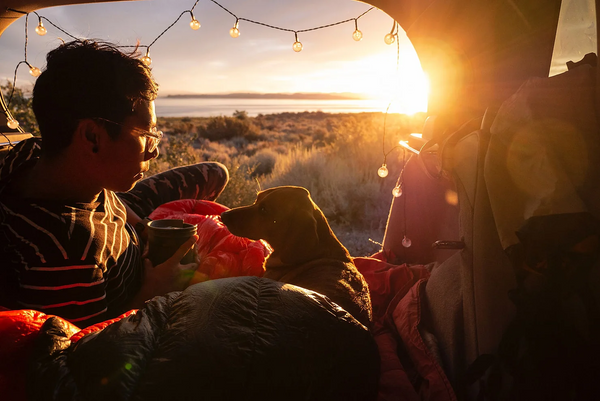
(226, 217)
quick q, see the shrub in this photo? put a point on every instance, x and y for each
(223, 127)
(178, 150)
(242, 188)
(263, 161)
(20, 108)
(242, 115)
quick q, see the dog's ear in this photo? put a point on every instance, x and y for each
(329, 243)
(302, 240)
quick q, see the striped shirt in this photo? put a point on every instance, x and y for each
(80, 261)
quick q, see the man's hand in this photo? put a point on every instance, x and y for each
(168, 276)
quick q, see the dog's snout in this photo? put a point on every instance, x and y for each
(226, 218)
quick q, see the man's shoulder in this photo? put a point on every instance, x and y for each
(21, 153)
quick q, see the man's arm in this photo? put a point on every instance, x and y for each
(137, 222)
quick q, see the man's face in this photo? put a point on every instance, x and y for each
(126, 158)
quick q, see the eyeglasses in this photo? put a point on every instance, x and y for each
(153, 137)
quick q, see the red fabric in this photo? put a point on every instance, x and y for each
(388, 284)
(220, 253)
(18, 331)
(99, 326)
(407, 316)
(393, 292)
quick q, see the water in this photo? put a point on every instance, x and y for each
(206, 107)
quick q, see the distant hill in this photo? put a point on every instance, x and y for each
(310, 96)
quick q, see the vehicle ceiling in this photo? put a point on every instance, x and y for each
(476, 53)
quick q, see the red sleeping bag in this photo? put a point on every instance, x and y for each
(18, 331)
(220, 253)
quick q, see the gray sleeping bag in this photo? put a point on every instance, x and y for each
(243, 338)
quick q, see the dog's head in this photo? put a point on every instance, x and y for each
(285, 217)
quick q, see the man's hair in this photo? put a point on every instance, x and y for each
(87, 79)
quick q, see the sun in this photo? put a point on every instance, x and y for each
(402, 86)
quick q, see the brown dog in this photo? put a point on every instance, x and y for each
(306, 252)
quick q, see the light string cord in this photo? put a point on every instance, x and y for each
(5, 106)
(190, 11)
(386, 154)
(287, 29)
(406, 241)
(162, 33)
(12, 91)
(41, 17)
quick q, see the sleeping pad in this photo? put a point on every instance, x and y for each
(241, 338)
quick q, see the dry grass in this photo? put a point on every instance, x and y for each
(334, 156)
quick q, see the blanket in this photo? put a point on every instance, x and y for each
(220, 253)
(409, 369)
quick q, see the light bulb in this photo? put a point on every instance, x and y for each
(297, 46)
(389, 39)
(146, 59)
(194, 24)
(40, 29)
(357, 35)
(234, 32)
(34, 71)
(383, 171)
(406, 242)
(12, 123)
(397, 191)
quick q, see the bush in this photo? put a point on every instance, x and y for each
(20, 108)
(242, 188)
(223, 127)
(263, 162)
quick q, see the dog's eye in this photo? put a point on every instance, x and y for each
(263, 210)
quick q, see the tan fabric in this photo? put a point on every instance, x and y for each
(544, 153)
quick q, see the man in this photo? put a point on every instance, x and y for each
(67, 240)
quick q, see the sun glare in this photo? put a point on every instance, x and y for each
(404, 88)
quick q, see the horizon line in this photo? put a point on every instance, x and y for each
(273, 95)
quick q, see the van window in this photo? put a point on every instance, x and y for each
(575, 35)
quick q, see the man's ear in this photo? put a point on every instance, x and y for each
(87, 135)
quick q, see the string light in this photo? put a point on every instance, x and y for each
(34, 71)
(12, 123)
(297, 46)
(398, 189)
(391, 37)
(40, 29)
(406, 242)
(194, 24)
(383, 171)
(146, 59)
(357, 34)
(235, 32)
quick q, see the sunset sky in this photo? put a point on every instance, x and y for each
(260, 60)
